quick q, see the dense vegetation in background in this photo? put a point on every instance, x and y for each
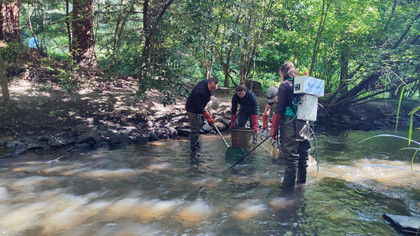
(363, 50)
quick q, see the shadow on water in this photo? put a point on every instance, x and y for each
(160, 189)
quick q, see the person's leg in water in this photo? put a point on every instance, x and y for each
(195, 126)
(303, 161)
(289, 151)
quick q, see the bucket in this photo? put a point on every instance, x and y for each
(242, 137)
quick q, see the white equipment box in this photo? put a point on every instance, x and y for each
(308, 85)
(310, 89)
(307, 107)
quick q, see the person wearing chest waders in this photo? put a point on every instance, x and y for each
(196, 103)
(294, 145)
(271, 99)
(248, 110)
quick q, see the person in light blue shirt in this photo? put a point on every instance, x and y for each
(33, 42)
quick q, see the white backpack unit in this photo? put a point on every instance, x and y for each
(308, 89)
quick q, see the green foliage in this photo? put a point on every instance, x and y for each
(195, 36)
(13, 52)
(399, 107)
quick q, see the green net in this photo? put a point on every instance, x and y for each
(234, 153)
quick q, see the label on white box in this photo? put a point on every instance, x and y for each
(308, 85)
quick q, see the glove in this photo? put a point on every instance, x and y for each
(208, 118)
(254, 119)
(232, 120)
(265, 122)
(275, 125)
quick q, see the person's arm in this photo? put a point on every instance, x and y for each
(280, 109)
(254, 115)
(265, 116)
(267, 110)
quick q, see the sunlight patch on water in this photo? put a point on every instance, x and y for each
(155, 209)
(123, 173)
(280, 203)
(158, 167)
(394, 173)
(248, 209)
(4, 194)
(208, 182)
(195, 213)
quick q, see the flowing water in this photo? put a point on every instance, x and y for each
(156, 189)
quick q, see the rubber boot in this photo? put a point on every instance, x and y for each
(301, 175)
(302, 167)
(289, 178)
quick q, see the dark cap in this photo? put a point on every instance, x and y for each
(271, 94)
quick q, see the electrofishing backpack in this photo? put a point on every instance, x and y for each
(306, 91)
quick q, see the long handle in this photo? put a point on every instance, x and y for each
(250, 152)
(224, 140)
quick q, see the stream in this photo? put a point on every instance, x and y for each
(156, 189)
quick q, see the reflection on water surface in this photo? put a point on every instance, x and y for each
(157, 190)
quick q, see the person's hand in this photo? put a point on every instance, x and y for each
(232, 120)
(273, 133)
(208, 118)
(275, 125)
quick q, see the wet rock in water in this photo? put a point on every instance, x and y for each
(224, 120)
(153, 137)
(54, 143)
(220, 126)
(17, 147)
(71, 141)
(43, 139)
(139, 139)
(184, 132)
(118, 139)
(34, 146)
(207, 128)
(90, 137)
(407, 225)
(172, 131)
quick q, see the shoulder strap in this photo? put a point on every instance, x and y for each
(292, 110)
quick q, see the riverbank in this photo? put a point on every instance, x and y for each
(103, 113)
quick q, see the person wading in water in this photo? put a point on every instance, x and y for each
(294, 146)
(196, 102)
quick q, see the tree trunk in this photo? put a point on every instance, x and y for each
(3, 80)
(9, 20)
(84, 43)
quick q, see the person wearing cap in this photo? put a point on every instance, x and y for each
(249, 108)
(196, 102)
(271, 99)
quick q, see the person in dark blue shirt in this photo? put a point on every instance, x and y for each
(196, 103)
(248, 110)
